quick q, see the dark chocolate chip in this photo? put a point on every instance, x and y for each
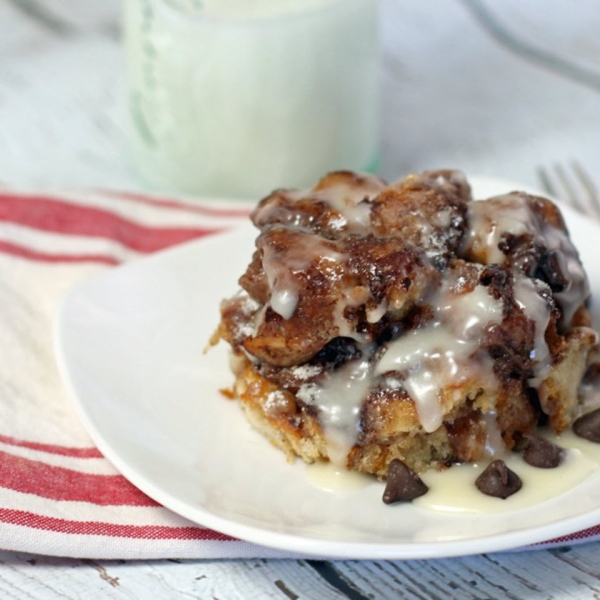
(588, 426)
(548, 270)
(403, 484)
(336, 352)
(498, 480)
(541, 453)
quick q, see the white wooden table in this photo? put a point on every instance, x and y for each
(495, 90)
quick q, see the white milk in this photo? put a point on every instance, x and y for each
(238, 97)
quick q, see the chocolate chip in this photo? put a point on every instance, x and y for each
(336, 352)
(588, 426)
(402, 483)
(548, 270)
(498, 480)
(541, 453)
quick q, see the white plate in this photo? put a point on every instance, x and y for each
(130, 345)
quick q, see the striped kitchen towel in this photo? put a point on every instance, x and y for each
(58, 495)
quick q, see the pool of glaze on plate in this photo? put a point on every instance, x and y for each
(454, 491)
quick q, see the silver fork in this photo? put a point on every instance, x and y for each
(571, 184)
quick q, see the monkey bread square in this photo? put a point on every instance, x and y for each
(407, 321)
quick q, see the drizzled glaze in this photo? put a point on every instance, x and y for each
(515, 214)
(453, 490)
(352, 203)
(442, 353)
(509, 215)
(422, 361)
(283, 271)
(537, 310)
(429, 359)
(339, 397)
(348, 195)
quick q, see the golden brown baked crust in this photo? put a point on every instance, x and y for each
(407, 321)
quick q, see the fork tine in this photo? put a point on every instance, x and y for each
(572, 185)
(559, 186)
(546, 183)
(570, 192)
(588, 185)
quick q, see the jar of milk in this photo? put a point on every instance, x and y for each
(238, 97)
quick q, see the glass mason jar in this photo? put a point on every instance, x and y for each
(238, 97)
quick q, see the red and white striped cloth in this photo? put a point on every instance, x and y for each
(58, 495)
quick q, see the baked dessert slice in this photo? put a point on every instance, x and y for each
(407, 321)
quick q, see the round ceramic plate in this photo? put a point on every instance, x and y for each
(131, 348)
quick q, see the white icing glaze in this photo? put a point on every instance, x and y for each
(427, 360)
(438, 355)
(426, 357)
(331, 478)
(488, 223)
(494, 444)
(511, 214)
(589, 393)
(344, 197)
(350, 297)
(535, 309)
(284, 301)
(282, 269)
(441, 353)
(347, 199)
(375, 315)
(454, 491)
(339, 397)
